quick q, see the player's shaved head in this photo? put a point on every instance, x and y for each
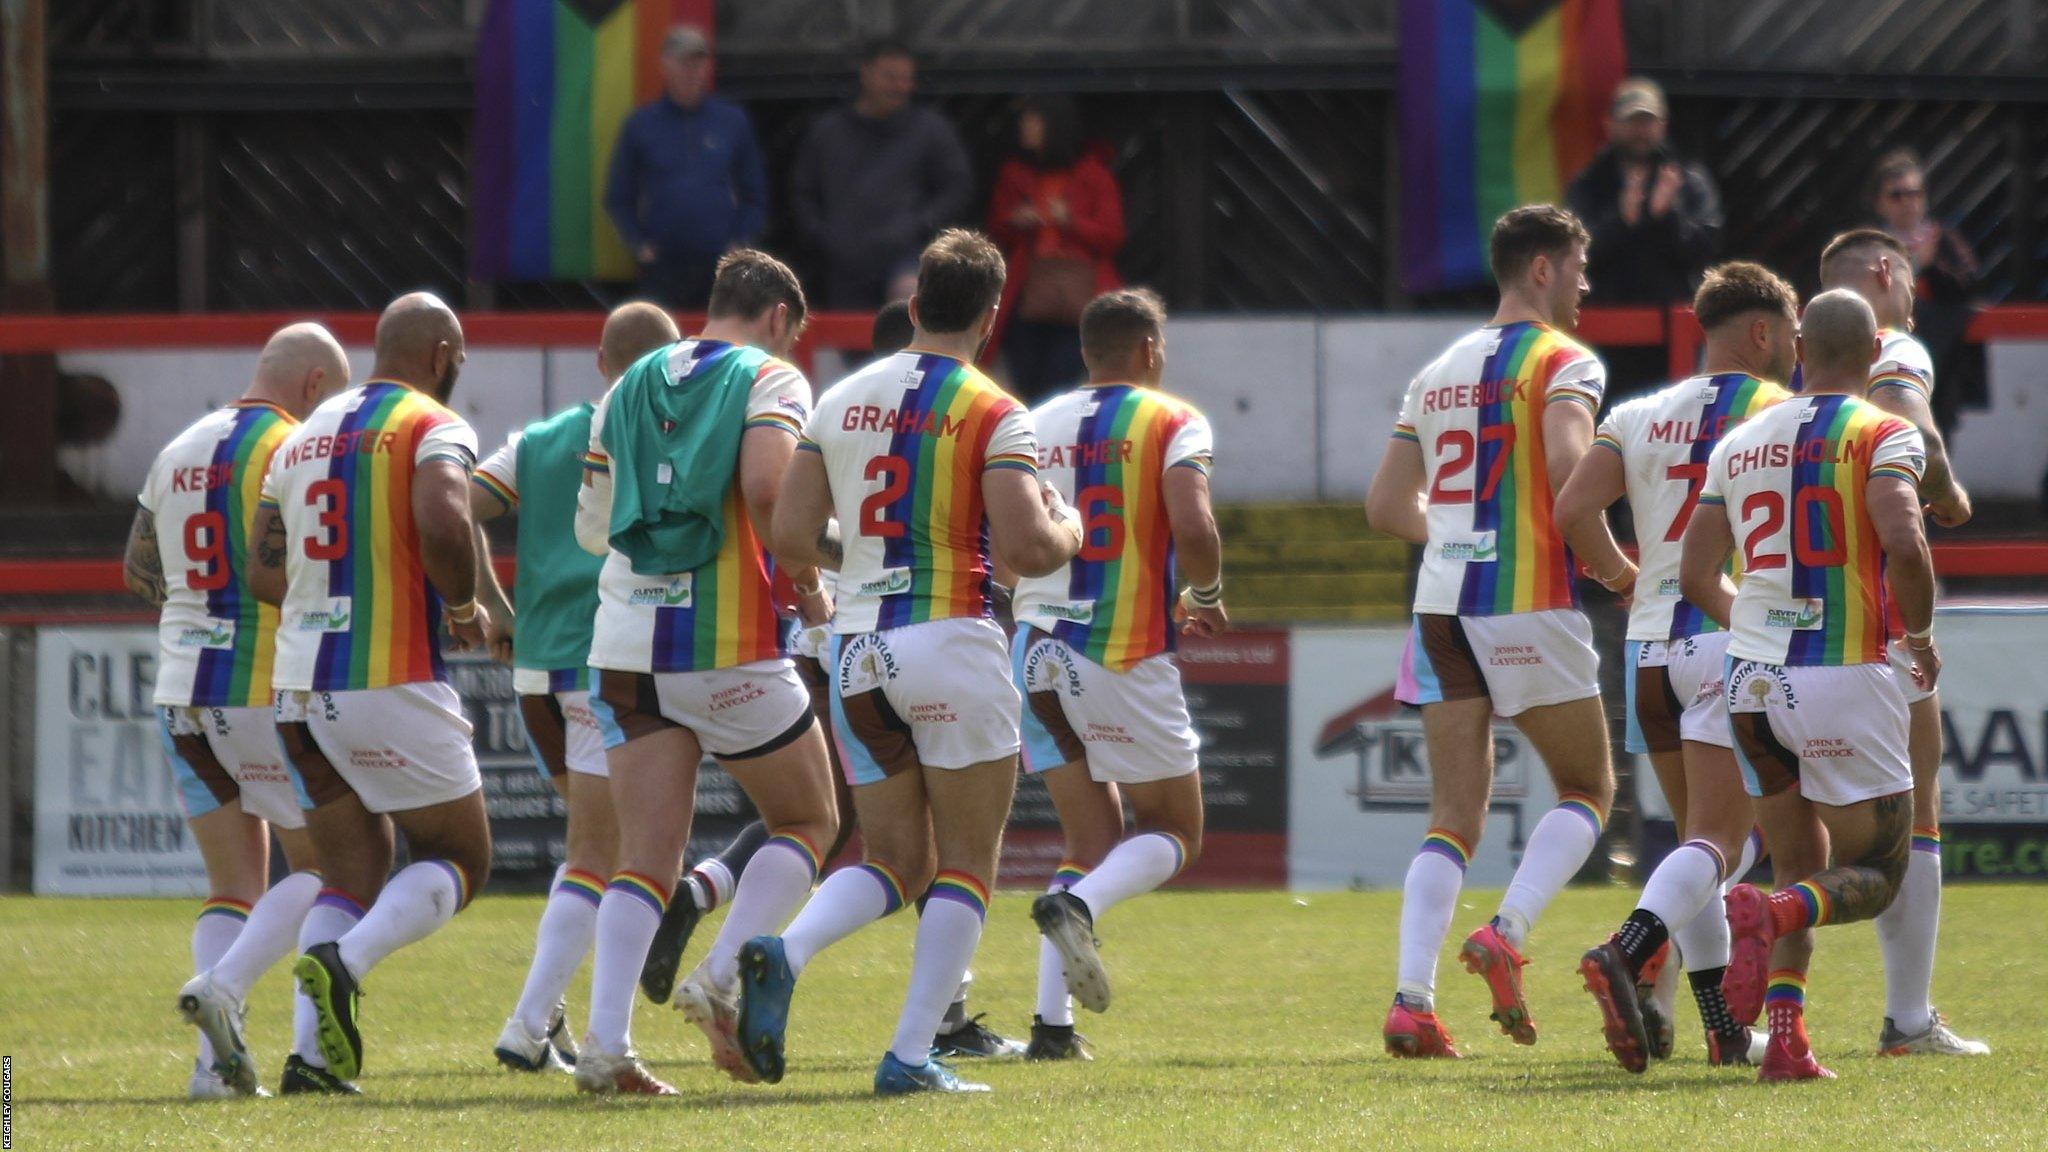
(1852, 256)
(1838, 336)
(631, 331)
(419, 342)
(300, 365)
(1114, 329)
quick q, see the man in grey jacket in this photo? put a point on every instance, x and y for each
(875, 179)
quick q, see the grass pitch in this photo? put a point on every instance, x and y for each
(1241, 1021)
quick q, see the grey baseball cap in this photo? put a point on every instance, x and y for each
(683, 40)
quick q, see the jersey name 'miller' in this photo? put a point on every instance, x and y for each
(874, 418)
(1686, 431)
(1472, 395)
(1785, 455)
(366, 442)
(1085, 455)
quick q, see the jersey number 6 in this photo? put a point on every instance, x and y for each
(1102, 519)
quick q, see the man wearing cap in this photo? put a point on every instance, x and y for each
(1655, 217)
(686, 181)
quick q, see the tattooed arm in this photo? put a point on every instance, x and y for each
(142, 566)
(266, 558)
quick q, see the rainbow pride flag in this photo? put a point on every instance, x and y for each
(554, 81)
(1502, 102)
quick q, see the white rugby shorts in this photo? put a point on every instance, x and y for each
(401, 747)
(1674, 693)
(1837, 732)
(1131, 727)
(219, 755)
(735, 713)
(1522, 660)
(936, 694)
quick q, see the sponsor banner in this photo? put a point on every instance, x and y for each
(107, 816)
(108, 821)
(1236, 689)
(1994, 766)
(1359, 793)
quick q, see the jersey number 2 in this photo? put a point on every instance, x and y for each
(894, 473)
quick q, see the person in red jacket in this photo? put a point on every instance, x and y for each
(1059, 216)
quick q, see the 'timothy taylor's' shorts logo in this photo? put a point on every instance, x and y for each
(865, 664)
(1753, 687)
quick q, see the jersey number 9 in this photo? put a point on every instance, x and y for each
(206, 546)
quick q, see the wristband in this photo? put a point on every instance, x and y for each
(463, 613)
(1926, 634)
(1209, 597)
(1607, 582)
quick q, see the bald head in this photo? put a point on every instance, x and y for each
(1838, 342)
(300, 365)
(631, 331)
(419, 342)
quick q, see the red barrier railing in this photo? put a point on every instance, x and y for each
(847, 331)
(1612, 327)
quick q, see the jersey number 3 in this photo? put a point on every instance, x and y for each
(330, 497)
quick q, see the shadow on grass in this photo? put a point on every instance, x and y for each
(570, 1100)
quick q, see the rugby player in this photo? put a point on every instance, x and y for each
(1488, 433)
(685, 457)
(1654, 450)
(1820, 495)
(1105, 720)
(538, 471)
(214, 643)
(363, 535)
(929, 468)
(960, 1034)
(1875, 266)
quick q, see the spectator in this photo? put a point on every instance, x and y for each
(686, 181)
(1059, 216)
(1942, 260)
(874, 180)
(1655, 218)
(1945, 276)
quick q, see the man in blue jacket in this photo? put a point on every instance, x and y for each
(686, 182)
